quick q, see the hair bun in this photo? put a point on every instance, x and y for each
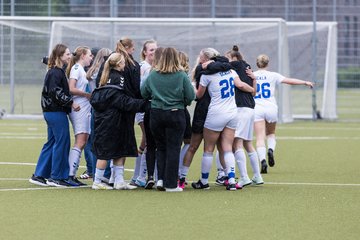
(235, 48)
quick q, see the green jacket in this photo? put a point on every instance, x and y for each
(168, 90)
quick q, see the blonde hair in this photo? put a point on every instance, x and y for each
(55, 56)
(209, 53)
(169, 61)
(157, 55)
(76, 55)
(99, 59)
(121, 48)
(144, 48)
(193, 71)
(113, 61)
(184, 61)
(262, 61)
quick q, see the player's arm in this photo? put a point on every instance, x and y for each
(250, 73)
(243, 86)
(295, 81)
(200, 91)
(75, 91)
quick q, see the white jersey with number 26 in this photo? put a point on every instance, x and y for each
(265, 87)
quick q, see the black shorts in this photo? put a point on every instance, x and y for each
(187, 133)
(200, 113)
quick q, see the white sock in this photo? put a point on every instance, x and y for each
(206, 163)
(118, 174)
(261, 153)
(254, 161)
(155, 172)
(271, 142)
(230, 166)
(137, 166)
(74, 160)
(182, 155)
(219, 167)
(143, 167)
(99, 174)
(184, 171)
(241, 162)
(112, 176)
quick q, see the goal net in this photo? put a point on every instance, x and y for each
(286, 44)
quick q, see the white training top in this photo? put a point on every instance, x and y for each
(145, 69)
(78, 73)
(265, 87)
(221, 90)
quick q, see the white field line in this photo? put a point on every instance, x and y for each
(316, 184)
(32, 136)
(320, 129)
(266, 183)
(39, 188)
(278, 137)
(34, 164)
(316, 138)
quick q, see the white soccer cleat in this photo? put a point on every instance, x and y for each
(124, 186)
(177, 189)
(101, 186)
(257, 180)
(245, 181)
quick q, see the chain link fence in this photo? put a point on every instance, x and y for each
(345, 12)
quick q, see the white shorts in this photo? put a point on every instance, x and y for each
(139, 118)
(268, 113)
(217, 122)
(81, 120)
(245, 126)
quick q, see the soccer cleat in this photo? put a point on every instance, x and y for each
(231, 187)
(263, 166)
(140, 183)
(257, 180)
(238, 186)
(85, 175)
(132, 181)
(71, 183)
(75, 180)
(40, 181)
(58, 183)
(124, 186)
(245, 181)
(150, 183)
(181, 183)
(271, 159)
(200, 185)
(101, 186)
(177, 189)
(160, 185)
(221, 180)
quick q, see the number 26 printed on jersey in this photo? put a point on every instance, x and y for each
(263, 90)
(227, 87)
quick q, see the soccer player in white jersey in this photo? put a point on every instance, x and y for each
(221, 122)
(80, 120)
(266, 109)
(141, 164)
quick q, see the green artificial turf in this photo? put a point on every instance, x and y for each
(313, 192)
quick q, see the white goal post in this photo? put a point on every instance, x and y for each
(271, 36)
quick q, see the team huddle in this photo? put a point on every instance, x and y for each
(104, 96)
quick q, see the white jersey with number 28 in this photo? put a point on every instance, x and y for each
(221, 90)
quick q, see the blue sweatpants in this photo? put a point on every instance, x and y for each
(53, 161)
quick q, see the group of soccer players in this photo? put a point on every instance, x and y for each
(232, 102)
